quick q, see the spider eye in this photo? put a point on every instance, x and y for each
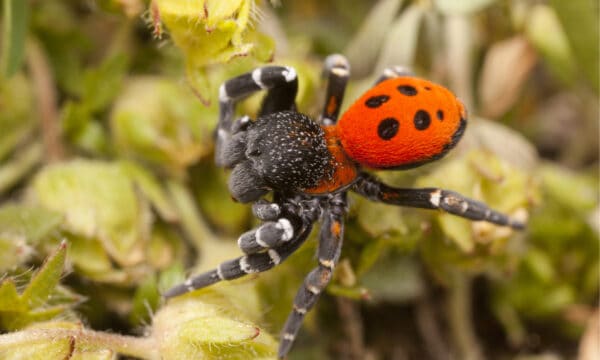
(422, 120)
(388, 128)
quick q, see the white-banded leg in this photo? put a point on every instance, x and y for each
(393, 72)
(281, 83)
(432, 198)
(328, 254)
(275, 230)
(336, 71)
(247, 264)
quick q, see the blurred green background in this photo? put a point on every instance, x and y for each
(109, 195)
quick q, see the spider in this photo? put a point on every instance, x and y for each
(402, 122)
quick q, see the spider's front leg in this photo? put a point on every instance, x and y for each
(432, 198)
(281, 83)
(328, 254)
(300, 221)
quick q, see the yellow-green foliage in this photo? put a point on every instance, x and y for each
(109, 194)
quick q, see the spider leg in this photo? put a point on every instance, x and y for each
(301, 218)
(247, 264)
(269, 235)
(330, 246)
(393, 72)
(276, 229)
(336, 71)
(281, 83)
(432, 198)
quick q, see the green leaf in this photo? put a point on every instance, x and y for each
(14, 31)
(150, 187)
(387, 271)
(17, 118)
(46, 280)
(9, 298)
(580, 22)
(545, 32)
(102, 84)
(145, 301)
(32, 223)
(98, 201)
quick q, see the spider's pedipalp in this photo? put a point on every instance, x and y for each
(245, 184)
(234, 150)
(268, 235)
(266, 211)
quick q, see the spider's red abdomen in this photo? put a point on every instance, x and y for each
(402, 122)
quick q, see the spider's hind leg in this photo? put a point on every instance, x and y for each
(394, 72)
(328, 254)
(336, 71)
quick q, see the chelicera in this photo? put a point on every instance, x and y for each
(309, 166)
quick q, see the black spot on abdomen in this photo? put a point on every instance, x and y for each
(421, 120)
(376, 101)
(407, 90)
(388, 128)
(440, 115)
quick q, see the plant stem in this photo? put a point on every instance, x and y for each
(43, 83)
(143, 348)
(460, 320)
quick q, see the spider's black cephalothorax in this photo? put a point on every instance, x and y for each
(305, 165)
(284, 151)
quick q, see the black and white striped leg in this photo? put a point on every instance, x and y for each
(267, 236)
(336, 71)
(330, 246)
(281, 83)
(243, 265)
(265, 210)
(432, 198)
(393, 72)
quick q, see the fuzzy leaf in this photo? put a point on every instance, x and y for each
(209, 326)
(149, 186)
(32, 223)
(45, 281)
(9, 298)
(99, 201)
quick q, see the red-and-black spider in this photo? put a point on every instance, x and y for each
(400, 123)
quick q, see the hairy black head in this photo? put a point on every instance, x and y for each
(288, 150)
